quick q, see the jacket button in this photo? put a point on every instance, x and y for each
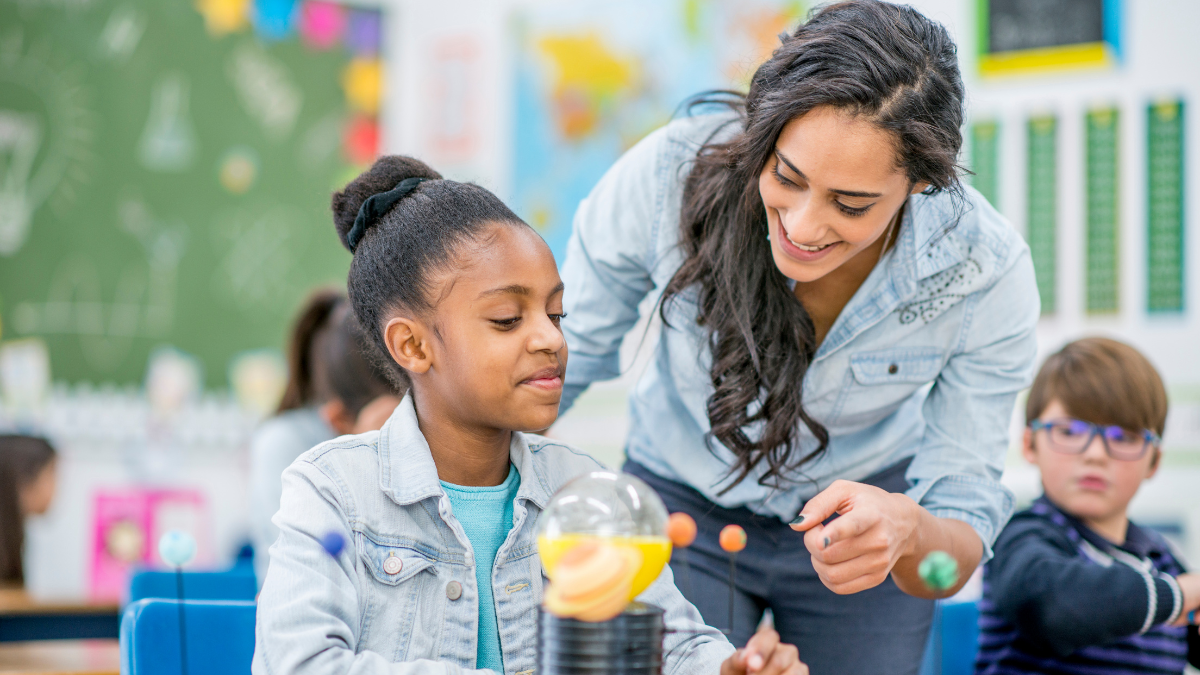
(393, 564)
(893, 369)
(454, 590)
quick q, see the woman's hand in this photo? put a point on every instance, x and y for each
(765, 655)
(879, 533)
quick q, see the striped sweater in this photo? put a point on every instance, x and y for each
(1059, 598)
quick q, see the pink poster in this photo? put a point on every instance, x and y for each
(127, 526)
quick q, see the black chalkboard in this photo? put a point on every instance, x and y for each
(1017, 25)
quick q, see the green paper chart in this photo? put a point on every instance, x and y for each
(170, 166)
(1164, 217)
(1102, 188)
(1042, 205)
(985, 160)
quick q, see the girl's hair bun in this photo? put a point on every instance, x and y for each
(385, 174)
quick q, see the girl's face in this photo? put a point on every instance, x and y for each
(831, 190)
(491, 352)
(39, 493)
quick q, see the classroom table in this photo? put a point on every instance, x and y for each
(23, 617)
(60, 657)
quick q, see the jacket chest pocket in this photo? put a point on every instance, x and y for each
(398, 589)
(882, 380)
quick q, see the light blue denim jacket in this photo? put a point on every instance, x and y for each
(925, 361)
(380, 491)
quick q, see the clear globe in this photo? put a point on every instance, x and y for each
(617, 508)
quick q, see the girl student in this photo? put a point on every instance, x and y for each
(438, 510)
(846, 330)
(28, 479)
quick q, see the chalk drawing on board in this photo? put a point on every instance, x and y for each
(163, 242)
(320, 142)
(258, 247)
(142, 304)
(45, 136)
(168, 140)
(20, 138)
(265, 89)
(122, 33)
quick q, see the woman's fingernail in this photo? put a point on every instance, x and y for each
(798, 521)
(755, 662)
(826, 542)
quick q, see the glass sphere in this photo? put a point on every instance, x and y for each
(618, 508)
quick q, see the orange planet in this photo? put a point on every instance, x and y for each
(681, 529)
(733, 538)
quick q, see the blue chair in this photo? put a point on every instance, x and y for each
(220, 637)
(237, 583)
(953, 640)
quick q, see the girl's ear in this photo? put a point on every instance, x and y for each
(407, 342)
(336, 415)
(919, 188)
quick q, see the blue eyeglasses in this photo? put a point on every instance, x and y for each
(1074, 436)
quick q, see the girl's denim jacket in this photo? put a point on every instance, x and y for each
(380, 491)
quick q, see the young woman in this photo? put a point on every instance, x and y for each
(846, 330)
(334, 387)
(439, 509)
(28, 477)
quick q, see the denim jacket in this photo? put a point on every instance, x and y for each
(380, 491)
(925, 361)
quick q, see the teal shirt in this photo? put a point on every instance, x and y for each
(486, 514)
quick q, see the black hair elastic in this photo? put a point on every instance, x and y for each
(376, 206)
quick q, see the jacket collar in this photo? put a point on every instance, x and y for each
(930, 241)
(408, 475)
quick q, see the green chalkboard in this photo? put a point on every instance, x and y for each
(165, 178)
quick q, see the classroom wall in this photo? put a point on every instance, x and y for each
(1158, 50)
(451, 99)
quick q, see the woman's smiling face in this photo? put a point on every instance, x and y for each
(831, 189)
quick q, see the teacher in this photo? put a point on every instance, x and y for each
(846, 329)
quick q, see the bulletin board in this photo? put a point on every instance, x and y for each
(1017, 37)
(166, 170)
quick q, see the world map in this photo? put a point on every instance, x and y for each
(593, 78)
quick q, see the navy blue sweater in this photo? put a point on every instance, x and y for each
(1059, 598)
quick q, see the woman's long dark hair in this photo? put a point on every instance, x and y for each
(885, 63)
(22, 458)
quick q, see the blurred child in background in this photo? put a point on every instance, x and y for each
(1075, 586)
(334, 387)
(28, 469)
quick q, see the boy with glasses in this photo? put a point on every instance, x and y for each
(1074, 586)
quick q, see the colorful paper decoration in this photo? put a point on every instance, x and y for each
(362, 82)
(1164, 205)
(363, 29)
(222, 17)
(1102, 189)
(274, 19)
(322, 23)
(361, 144)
